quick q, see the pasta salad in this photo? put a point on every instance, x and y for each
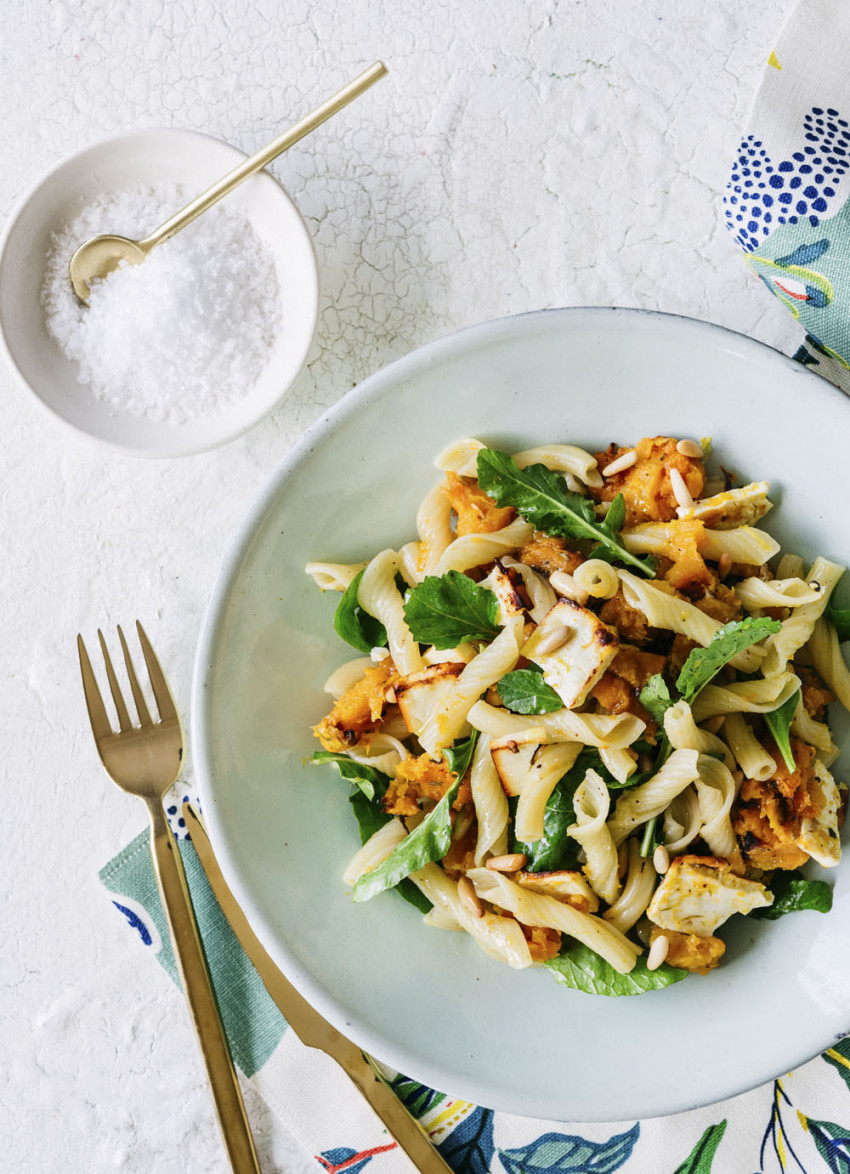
(587, 722)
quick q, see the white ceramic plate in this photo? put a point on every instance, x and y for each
(430, 1003)
(135, 160)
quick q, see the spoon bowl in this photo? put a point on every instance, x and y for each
(99, 256)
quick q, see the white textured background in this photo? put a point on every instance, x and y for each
(520, 155)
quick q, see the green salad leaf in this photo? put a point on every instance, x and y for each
(792, 892)
(370, 817)
(839, 617)
(355, 625)
(445, 610)
(779, 723)
(543, 499)
(525, 691)
(579, 967)
(373, 783)
(655, 697)
(459, 754)
(704, 663)
(429, 841)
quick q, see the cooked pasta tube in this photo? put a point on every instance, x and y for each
(348, 674)
(439, 918)
(433, 525)
(749, 753)
(474, 550)
(790, 566)
(384, 753)
(460, 456)
(500, 937)
(679, 615)
(334, 576)
(796, 630)
(562, 458)
(716, 792)
(613, 732)
(817, 734)
(591, 804)
(743, 545)
(381, 598)
(542, 597)
(685, 734)
(682, 821)
(375, 851)
(535, 909)
(409, 557)
(490, 802)
(619, 763)
(826, 653)
(755, 593)
(637, 892)
(549, 764)
(449, 715)
(762, 695)
(644, 802)
(597, 578)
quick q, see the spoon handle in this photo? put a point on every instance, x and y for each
(262, 158)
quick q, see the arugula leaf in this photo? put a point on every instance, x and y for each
(792, 892)
(448, 609)
(370, 817)
(459, 754)
(839, 617)
(355, 625)
(779, 724)
(704, 663)
(579, 967)
(429, 841)
(655, 697)
(367, 778)
(652, 837)
(525, 691)
(543, 499)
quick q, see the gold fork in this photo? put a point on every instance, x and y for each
(146, 760)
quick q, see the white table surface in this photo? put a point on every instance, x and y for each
(521, 154)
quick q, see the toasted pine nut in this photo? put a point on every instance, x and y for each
(566, 585)
(690, 448)
(680, 490)
(390, 697)
(657, 952)
(620, 464)
(724, 564)
(553, 640)
(512, 862)
(661, 859)
(468, 897)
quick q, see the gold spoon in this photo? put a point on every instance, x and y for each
(101, 254)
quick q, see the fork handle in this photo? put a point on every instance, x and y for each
(197, 985)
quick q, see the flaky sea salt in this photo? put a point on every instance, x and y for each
(184, 334)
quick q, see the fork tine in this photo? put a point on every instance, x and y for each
(138, 695)
(162, 693)
(94, 702)
(124, 722)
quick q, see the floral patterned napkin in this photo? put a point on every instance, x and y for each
(787, 204)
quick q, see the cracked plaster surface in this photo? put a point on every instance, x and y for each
(521, 154)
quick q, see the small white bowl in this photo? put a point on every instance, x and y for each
(150, 157)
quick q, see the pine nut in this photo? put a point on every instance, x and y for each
(680, 490)
(566, 585)
(724, 564)
(468, 897)
(553, 640)
(513, 862)
(657, 952)
(690, 448)
(390, 697)
(661, 859)
(620, 464)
